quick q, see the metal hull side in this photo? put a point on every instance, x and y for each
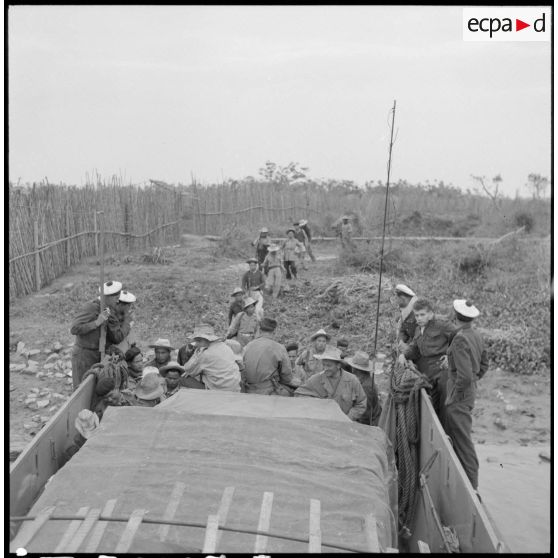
(451, 492)
(44, 454)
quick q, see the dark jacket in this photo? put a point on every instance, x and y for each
(467, 362)
(87, 332)
(428, 347)
(407, 328)
(251, 281)
(234, 309)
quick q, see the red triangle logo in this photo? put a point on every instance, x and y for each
(519, 25)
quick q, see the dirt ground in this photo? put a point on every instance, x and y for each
(194, 285)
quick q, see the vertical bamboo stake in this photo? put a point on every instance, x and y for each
(96, 235)
(68, 233)
(37, 255)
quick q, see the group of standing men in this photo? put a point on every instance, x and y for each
(452, 356)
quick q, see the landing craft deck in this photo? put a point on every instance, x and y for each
(281, 471)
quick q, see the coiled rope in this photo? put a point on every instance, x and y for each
(406, 383)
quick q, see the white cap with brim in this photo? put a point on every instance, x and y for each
(403, 289)
(111, 288)
(330, 354)
(465, 308)
(127, 297)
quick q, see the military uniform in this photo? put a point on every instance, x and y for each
(85, 352)
(426, 349)
(467, 361)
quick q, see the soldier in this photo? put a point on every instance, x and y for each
(163, 351)
(87, 329)
(245, 325)
(302, 237)
(274, 270)
(253, 283)
(235, 307)
(467, 362)
(262, 244)
(290, 246)
(346, 234)
(310, 358)
(305, 227)
(407, 323)
(428, 350)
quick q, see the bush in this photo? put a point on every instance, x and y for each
(524, 219)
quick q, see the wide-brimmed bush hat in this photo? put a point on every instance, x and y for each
(361, 361)
(162, 344)
(320, 333)
(249, 302)
(331, 353)
(290, 229)
(149, 370)
(149, 388)
(273, 248)
(236, 291)
(302, 222)
(204, 331)
(264, 230)
(251, 260)
(86, 423)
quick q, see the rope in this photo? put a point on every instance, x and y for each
(406, 383)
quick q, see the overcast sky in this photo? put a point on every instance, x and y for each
(160, 92)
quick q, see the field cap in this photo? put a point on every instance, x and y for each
(331, 353)
(205, 331)
(111, 288)
(268, 324)
(149, 388)
(320, 333)
(264, 230)
(162, 344)
(171, 366)
(251, 260)
(273, 248)
(342, 343)
(248, 302)
(236, 291)
(303, 222)
(361, 361)
(127, 297)
(149, 370)
(86, 422)
(403, 289)
(465, 308)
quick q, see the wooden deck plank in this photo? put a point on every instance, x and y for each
(224, 507)
(371, 533)
(315, 530)
(100, 527)
(71, 530)
(264, 522)
(210, 542)
(24, 536)
(130, 530)
(172, 506)
(86, 525)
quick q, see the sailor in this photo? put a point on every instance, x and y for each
(125, 312)
(237, 303)
(172, 373)
(253, 282)
(428, 350)
(262, 244)
(87, 329)
(467, 362)
(363, 368)
(163, 350)
(337, 384)
(407, 322)
(244, 326)
(213, 362)
(309, 359)
(267, 369)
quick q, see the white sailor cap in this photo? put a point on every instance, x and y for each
(404, 290)
(465, 308)
(111, 288)
(127, 296)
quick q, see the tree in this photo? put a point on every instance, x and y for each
(492, 191)
(288, 174)
(537, 184)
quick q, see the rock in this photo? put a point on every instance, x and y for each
(48, 365)
(42, 403)
(69, 372)
(32, 405)
(35, 390)
(30, 370)
(528, 413)
(34, 363)
(501, 424)
(17, 367)
(510, 409)
(57, 347)
(28, 425)
(44, 419)
(20, 347)
(52, 356)
(59, 375)
(12, 387)
(44, 392)
(47, 351)
(58, 396)
(34, 352)
(69, 380)
(40, 375)
(68, 286)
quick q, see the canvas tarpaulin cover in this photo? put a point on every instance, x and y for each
(140, 456)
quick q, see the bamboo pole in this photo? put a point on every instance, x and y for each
(68, 255)
(96, 234)
(37, 257)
